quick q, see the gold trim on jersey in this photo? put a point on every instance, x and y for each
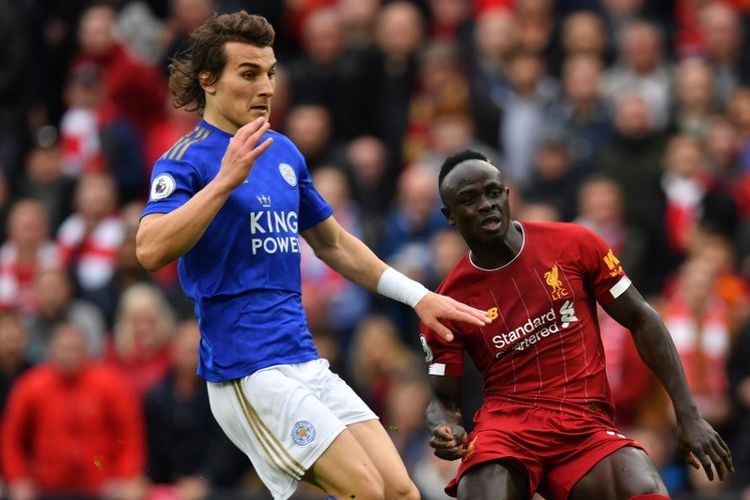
(182, 140)
(275, 451)
(178, 150)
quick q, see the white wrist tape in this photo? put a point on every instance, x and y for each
(396, 286)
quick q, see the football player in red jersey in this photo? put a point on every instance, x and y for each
(546, 422)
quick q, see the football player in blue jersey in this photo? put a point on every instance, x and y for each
(230, 200)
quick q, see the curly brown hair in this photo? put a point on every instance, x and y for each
(205, 52)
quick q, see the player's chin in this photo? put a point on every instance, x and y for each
(256, 113)
(492, 236)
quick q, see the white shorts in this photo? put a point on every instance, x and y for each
(284, 417)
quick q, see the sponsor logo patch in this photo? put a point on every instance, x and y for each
(613, 264)
(492, 313)
(535, 329)
(162, 186)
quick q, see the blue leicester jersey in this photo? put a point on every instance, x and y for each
(243, 275)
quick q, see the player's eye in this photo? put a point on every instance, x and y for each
(271, 74)
(248, 76)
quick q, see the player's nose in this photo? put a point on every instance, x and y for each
(266, 87)
(486, 203)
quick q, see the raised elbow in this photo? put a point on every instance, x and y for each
(147, 258)
(151, 244)
(146, 253)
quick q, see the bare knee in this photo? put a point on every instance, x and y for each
(626, 473)
(407, 491)
(643, 479)
(370, 488)
(644, 485)
(370, 491)
(375, 489)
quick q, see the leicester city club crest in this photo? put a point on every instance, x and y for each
(303, 433)
(287, 172)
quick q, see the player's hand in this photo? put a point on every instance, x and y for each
(433, 307)
(449, 441)
(242, 152)
(703, 446)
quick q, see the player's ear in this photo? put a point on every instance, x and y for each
(447, 213)
(207, 82)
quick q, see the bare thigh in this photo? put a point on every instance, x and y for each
(623, 474)
(375, 440)
(345, 470)
(494, 480)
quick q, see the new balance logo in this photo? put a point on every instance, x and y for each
(567, 314)
(613, 264)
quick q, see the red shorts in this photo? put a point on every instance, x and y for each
(554, 449)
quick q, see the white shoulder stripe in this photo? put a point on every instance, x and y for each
(620, 287)
(437, 369)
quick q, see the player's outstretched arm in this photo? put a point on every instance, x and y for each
(162, 238)
(350, 257)
(701, 444)
(444, 418)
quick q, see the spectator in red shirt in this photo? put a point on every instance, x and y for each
(132, 103)
(72, 427)
(132, 89)
(13, 362)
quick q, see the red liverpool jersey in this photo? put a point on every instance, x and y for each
(543, 346)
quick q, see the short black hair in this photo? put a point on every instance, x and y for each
(457, 158)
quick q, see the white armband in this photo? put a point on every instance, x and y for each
(396, 286)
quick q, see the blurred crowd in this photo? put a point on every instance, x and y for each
(631, 117)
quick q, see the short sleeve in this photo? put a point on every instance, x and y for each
(313, 209)
(172, 184)
(604, 274)
(442, 357)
